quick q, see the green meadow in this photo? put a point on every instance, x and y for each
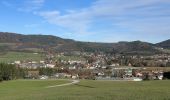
(15, 56)
(85, 90)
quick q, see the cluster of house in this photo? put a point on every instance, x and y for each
(138, 73)
(34, 74)
(59, 76)
(34, 64)
(99, 67)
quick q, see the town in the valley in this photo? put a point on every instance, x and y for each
(96, 66)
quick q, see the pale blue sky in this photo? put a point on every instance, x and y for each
(89, 20)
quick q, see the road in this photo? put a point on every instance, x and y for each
(66, 84)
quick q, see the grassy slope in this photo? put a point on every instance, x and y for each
(85, 90)
(14, 56)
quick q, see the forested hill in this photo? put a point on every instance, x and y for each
(20, 42)
(164, 44)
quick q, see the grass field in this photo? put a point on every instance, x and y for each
(85, 90)
(14, 56)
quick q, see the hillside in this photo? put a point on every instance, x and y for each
(14, 41)
(136, 47)
(19, 42)
(164, 44)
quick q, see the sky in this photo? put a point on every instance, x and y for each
(89, 20)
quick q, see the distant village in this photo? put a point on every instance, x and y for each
(97, 66)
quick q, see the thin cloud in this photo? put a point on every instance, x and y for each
(31, 5)
(7, 4)
(128, 12)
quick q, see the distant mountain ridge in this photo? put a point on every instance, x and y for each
(19, 42)
(164, 44)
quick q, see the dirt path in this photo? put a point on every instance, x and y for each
(66, 84)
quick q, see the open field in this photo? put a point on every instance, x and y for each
(14, 56)
(85, 90)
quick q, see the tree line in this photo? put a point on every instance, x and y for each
(10, 72)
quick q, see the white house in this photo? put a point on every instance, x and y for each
(17, 62)
(43, 77)
(50, 65)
